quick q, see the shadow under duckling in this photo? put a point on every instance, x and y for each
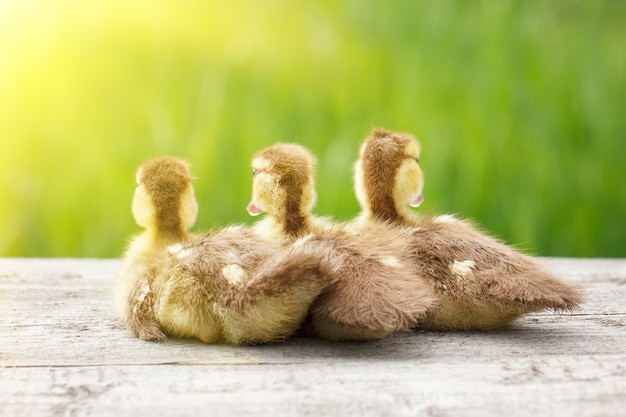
(481, 283)
(227, 287)
(374, 293)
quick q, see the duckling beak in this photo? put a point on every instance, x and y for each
(417, 201)
(253, 210)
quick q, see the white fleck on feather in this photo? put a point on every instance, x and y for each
(234, 274)
(445, 218)
(391, 261)
(462, 268)
(178, 251)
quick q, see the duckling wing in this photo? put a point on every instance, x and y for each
(295, 269)
(374, 288)
(470, 266)
(272, 304)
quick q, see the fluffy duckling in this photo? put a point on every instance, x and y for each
(165, 206)
(227, 287)
(374, 293)
(480, 283)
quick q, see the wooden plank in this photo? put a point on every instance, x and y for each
(548, 386)
(62, 352)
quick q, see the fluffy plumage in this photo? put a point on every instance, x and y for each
(230, 286)
(374, 292)
(480, 282)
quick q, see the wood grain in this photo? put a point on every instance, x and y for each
(64, 353)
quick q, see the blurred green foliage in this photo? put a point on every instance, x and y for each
(519, 106)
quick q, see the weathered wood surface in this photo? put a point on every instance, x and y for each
(63, 353)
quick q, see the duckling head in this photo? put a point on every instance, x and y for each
(164, 200)
(283, 186)
(387, 176)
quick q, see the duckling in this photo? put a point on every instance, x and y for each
(481, 283)
(229, 286)
(165, 206)
(374, 293)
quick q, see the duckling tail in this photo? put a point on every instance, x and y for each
(538, 289)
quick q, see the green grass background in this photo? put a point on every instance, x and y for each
(519, 105)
